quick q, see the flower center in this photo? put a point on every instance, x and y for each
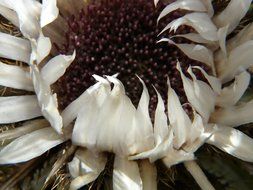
(119, 36)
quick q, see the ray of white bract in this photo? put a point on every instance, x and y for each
(190, 5)
(231, 94)
(232, 14)
(15, 77)
(18, 108)
(56, 68)
(9, 14)
(26, 128)
(14, 48)
(116, 124)
(227, 58)
(233, 142)
(29, 146)
(32, 16)
(85, 167)
(49, 12)
(28, 18)
(199, 94)
(234, 115)
(126, 175)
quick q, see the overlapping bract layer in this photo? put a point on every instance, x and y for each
(106, 120)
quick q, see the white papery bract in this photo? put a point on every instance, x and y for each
(33, 49)
(107, 121)
(104, 118)
(228, 59)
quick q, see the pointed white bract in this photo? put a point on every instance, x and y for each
(33, 48)
(196, 52)
(85, 167)
(190, 5)
(126, 175)
(232, 14)
(49, 12)
(108, 121)
(15, 77)
(18, 108)
(116, 123)
(198, 93)
(105, 119)
(25, 128)
(231, 94)
(29, 146)
(14, 48)
(227, 58)
(233, 142)
(177, 142)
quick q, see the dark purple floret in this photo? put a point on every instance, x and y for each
(119, 36)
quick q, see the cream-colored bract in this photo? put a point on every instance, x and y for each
(104, 118)
(217, 109)
(35, 138)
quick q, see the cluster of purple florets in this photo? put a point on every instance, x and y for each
(119, 36)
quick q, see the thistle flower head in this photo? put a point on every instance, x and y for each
(93, 85)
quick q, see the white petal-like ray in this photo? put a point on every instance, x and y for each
(231, 95)
(161, 129)
(243, 36)
(84, 132)
(177, 156)
(232, 14)
(43, 48)
(193, 37)
(158, 152)
(190, 5)
(222, 34)
(179, 120)
(14, 48)
(85, 167)
(163, 137)
(214, 82)
(18, 108)
(199, 21)
(197, 128)
(49, 12)
(56, 67)
(30, 146)
(9, 14)
(196, 52)
(87, 110)
(148, 174)
(199, 94)
(234, 115)
(126, 175)
(118, 133)
(15, 77)
(142, 125)
(239, 58)
(196, 137)
(233, 142)
(72, 110)
(26, 128)
(47, 101)
(28, 12)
